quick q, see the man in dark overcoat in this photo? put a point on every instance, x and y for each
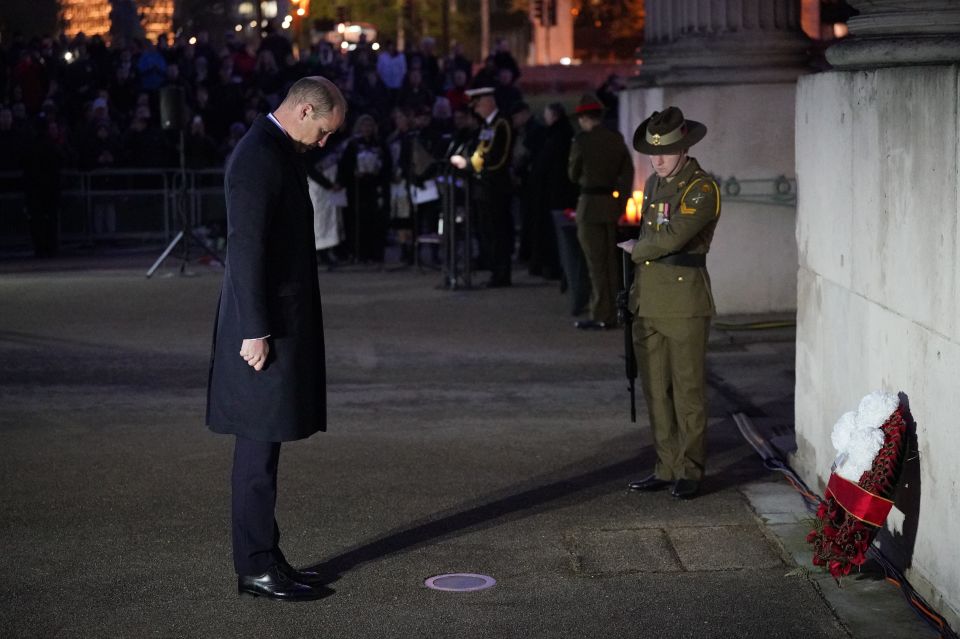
(267, 374)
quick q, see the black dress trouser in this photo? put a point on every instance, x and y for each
(496, 233)
(256, 536)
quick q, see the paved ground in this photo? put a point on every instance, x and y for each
(470, 432)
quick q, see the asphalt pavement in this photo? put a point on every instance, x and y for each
(470, 432)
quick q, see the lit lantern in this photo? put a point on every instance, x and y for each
(631, 211)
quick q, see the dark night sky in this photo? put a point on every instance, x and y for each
(32, 17)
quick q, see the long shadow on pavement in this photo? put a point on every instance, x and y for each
(528, 499)
(534, 497)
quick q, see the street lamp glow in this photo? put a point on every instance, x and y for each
(68, 56)
(375, 46)
(192, 40)
(341, 28)
(285, 25)
(301, 12)
(238, 28)
(344, 45)
(253, 24)
(565, 61)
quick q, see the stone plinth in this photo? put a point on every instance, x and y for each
(879, 295)
(899, 32)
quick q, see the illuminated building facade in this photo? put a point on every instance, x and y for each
(156, 17)
(93, 17)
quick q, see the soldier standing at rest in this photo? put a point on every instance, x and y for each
(671, 298)
(489, 163)
(601, 165)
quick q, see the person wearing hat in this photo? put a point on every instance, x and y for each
(489, 163)
(671, 298)
(601, 165)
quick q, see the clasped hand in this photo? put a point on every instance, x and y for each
(254, 352)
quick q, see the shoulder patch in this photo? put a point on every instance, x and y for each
(697, 194)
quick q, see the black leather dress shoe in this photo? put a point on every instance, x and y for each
(685, 489)
(307, 577)
(274, 584)
(649, 483)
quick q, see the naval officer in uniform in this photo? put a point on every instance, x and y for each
(491, 189)
(671, 298)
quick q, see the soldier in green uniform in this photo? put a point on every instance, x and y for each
(671, 298)
(600, 163)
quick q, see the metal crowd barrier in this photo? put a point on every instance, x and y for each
(110, 205)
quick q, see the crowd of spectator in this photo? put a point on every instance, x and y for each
(84, 104)
(100, 103)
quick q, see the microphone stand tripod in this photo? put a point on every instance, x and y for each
(187, 234)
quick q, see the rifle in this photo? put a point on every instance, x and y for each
(626, 319)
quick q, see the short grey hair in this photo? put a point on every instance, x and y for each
(319, 92)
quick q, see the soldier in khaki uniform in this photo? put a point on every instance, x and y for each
(600, 163)
(671, 298)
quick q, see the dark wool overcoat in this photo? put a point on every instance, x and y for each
(270, 287)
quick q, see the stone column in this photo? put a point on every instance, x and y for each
(722, 42)
(899, 32)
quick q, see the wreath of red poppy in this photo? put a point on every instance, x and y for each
(851, 514)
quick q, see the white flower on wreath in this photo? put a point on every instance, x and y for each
(858, 437)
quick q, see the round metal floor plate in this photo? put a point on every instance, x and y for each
(460, 582)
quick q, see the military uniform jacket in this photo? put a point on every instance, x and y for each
(678, 218)
(600, 164)
(490, 159)
(270, 287)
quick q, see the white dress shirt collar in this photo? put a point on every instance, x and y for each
(274, 119)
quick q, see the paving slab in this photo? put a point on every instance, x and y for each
(610, 552)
